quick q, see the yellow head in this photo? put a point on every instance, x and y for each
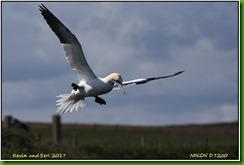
(117, 80)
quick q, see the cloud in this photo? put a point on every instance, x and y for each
(136, 39)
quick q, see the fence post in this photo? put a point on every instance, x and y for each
(56, 129)
(142, 141)
(38, 138)
(206, 142)
(75, 141)
(7, 121)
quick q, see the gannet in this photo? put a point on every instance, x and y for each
(89, 84)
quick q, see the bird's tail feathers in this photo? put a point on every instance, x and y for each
(69, 103)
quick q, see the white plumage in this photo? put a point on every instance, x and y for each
(89, 84)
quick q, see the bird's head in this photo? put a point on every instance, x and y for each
(117, 80)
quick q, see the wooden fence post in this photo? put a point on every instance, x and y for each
(7, 121)
(38, 138)
(142, 141)
(75, 141)
(206, 142)
(56, 129)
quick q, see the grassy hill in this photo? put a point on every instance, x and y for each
(213, 141)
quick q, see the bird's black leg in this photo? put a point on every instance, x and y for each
(75, 86)
(100, 100)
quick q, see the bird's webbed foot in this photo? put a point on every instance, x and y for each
(100, 100)
(75, 86)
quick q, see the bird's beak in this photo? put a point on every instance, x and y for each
(120, 86)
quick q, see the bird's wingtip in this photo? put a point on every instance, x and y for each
(179, 72)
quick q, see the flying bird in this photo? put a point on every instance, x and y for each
(89, 84)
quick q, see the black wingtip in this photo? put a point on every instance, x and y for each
(179, 72)
(42, 8)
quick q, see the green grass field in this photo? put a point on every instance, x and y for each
(216, 141)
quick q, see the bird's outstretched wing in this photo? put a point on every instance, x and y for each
(72, 48)
(145, 80)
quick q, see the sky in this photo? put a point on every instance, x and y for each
(135, 39)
